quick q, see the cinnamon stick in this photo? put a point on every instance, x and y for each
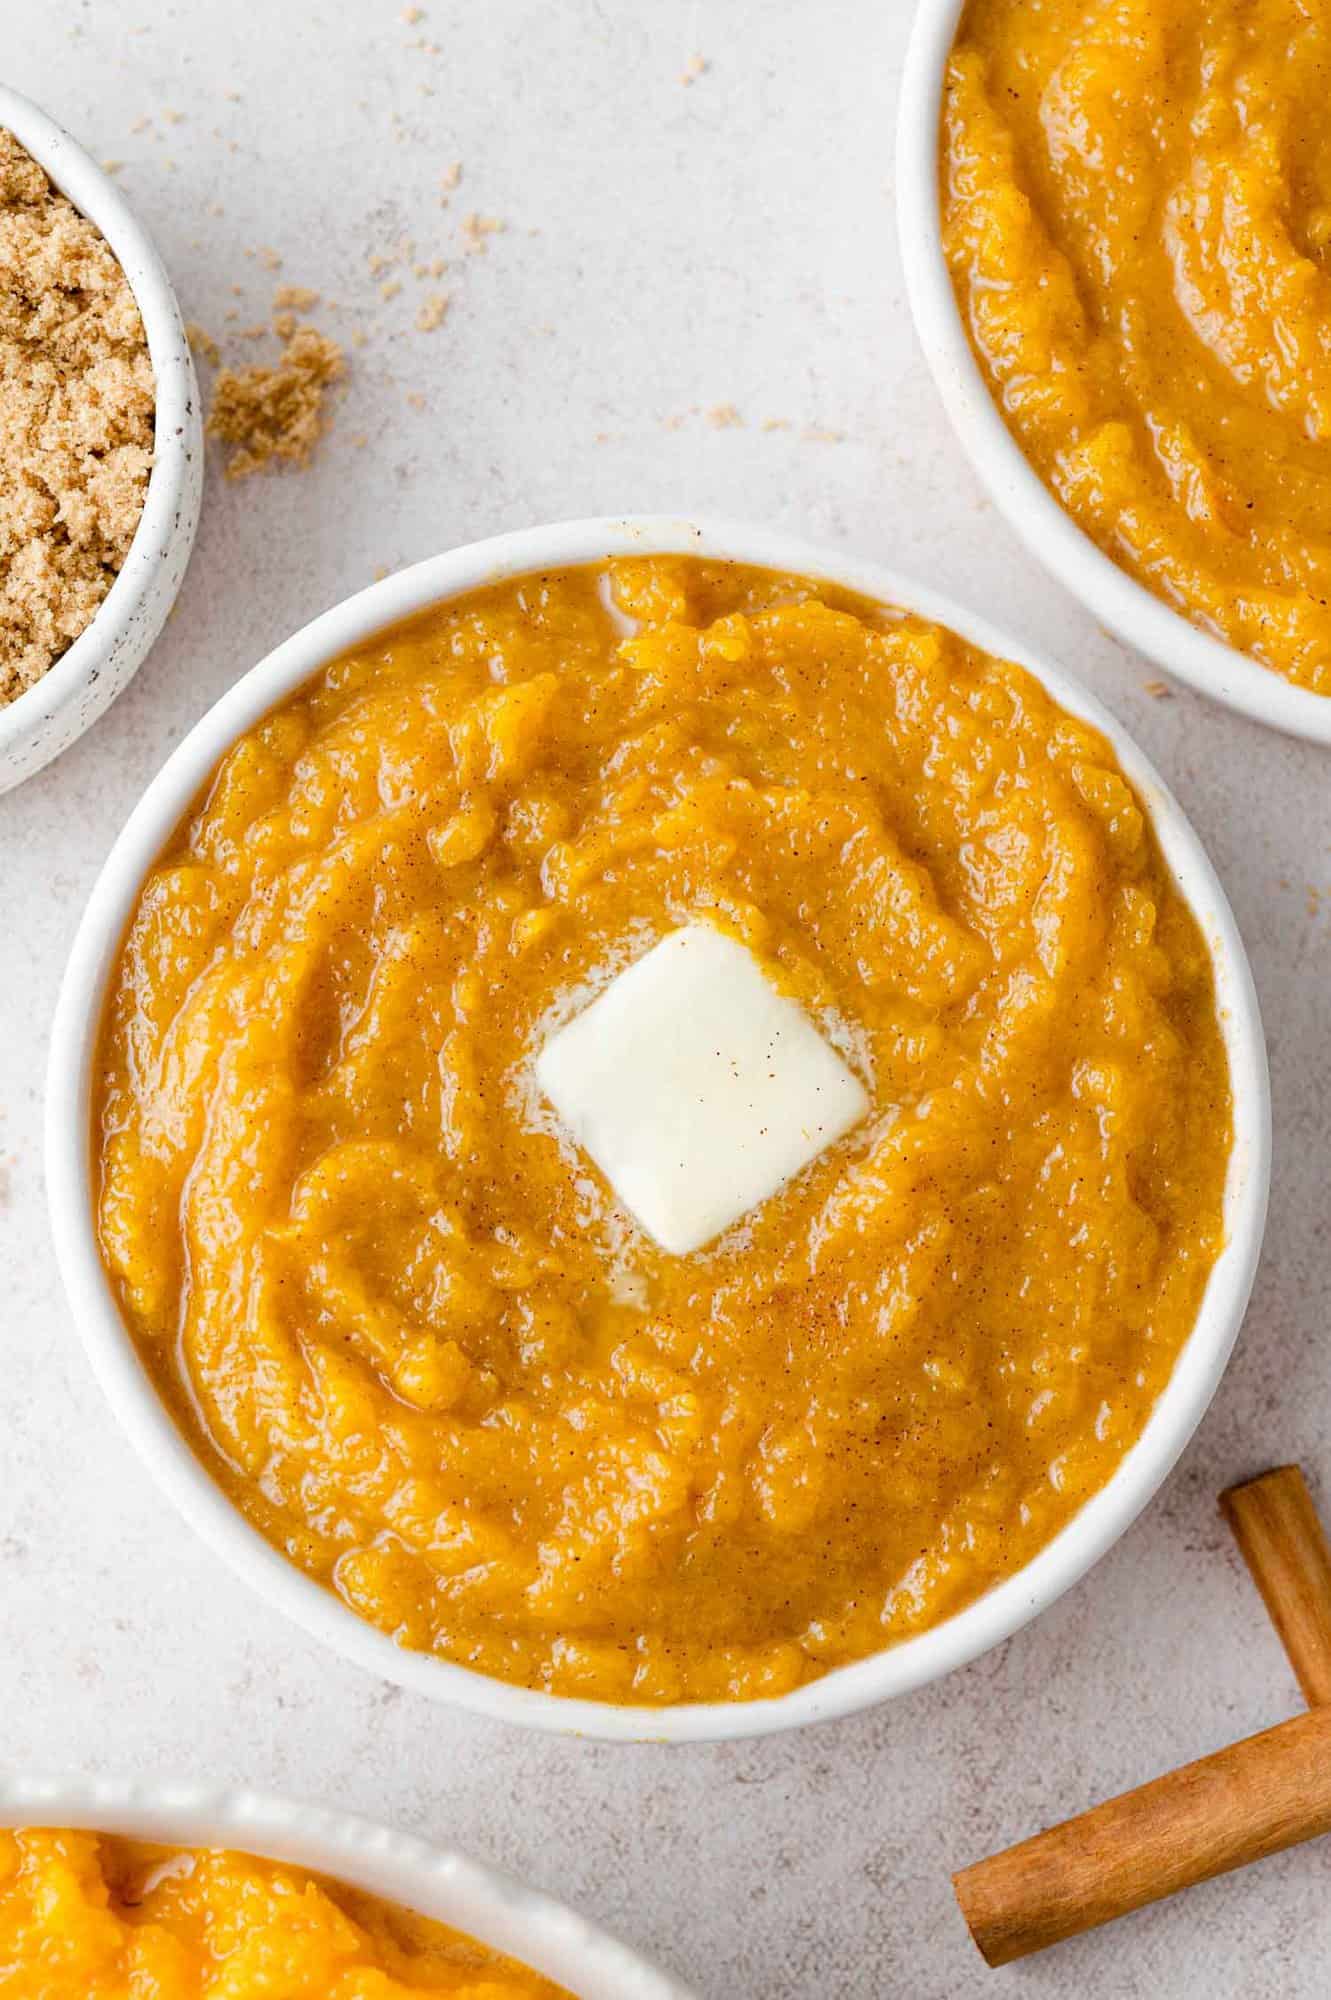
(1239, 1805)
(1284, 1545)
(1236, 1806)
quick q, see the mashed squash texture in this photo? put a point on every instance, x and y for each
(403, 1319)
(1136, 200)
(88, 1916)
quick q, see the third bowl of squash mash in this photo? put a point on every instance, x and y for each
(112, 1888)
(652, 1135)
(1116, 218)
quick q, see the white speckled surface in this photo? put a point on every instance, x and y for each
(727, 242)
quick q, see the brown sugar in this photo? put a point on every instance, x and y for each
(294, 298)
(203, 343)
(76, 421)
(476, 229)
(275, 415)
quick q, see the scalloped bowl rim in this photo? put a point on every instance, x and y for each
(897, 1669)
(1132, 612)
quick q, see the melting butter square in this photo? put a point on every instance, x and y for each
(696, 1087)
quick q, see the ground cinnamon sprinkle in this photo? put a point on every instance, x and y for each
(76, 421)
(275, 414)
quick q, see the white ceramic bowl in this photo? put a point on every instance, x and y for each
(432, 1881)
(105, 657)
(69, 1181)
(1129, 610)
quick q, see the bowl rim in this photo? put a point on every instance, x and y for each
(473, 1896)
(110, 1347)
(74, 174)
(1126, 607)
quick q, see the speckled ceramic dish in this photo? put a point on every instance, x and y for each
(86, 679)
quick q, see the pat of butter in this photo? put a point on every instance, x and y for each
(696, 1087)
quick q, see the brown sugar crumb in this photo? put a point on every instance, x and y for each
(724, 417)
(432, 312)
(411, 15)
(294, 298)
(203, 343)
(476, 229)
(76, 421)
(695, 67)
(275, 415)
(1158, 690)
(448, 181)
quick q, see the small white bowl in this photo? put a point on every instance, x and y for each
(1133, 613)
(433, 1881)
(114, 1357)
(47, 717)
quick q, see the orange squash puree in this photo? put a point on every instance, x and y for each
(88, 1916)
(404, 1321)
(1137, 214)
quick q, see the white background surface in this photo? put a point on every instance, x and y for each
(667, 247)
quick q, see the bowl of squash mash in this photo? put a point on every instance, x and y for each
(1116, 229)
(109, 1887)
(657, 1133)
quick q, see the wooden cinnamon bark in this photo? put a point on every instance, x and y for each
(1238, 1805)
(1263, 1794)
(1283, 1542)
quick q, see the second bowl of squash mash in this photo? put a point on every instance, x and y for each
(657, 1133)
(1116, 229)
